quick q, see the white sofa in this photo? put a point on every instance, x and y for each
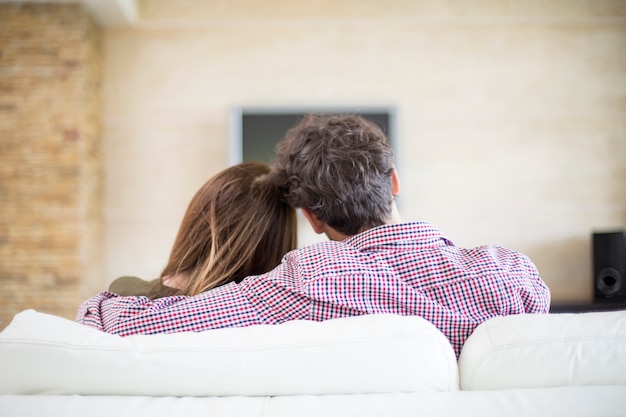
(379, 365)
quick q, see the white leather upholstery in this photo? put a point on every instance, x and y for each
(370, 366)
(606, 401)
(44, 354)
(551, 350)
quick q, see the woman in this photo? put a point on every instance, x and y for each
(235, 226)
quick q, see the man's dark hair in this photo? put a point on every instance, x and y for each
(339, 167)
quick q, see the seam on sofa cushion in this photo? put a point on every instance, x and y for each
(188, 348)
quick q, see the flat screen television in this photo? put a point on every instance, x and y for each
(256, 131)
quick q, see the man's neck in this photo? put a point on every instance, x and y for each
(333, 234)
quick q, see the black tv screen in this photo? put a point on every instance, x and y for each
(255, 132)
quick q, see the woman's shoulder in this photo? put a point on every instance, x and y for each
(130, 285)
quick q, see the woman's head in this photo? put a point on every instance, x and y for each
(236, 225)
(338, 167)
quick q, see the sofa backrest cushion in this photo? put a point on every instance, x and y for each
(44, 354)
(545, 350)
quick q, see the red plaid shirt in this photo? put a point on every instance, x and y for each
(406, 269)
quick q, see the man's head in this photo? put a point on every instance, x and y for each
(340, 169)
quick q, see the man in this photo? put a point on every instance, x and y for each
(339, 171)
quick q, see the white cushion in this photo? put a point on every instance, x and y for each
(44, 354)
(545, 350)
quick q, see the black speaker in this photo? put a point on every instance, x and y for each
(609, 266)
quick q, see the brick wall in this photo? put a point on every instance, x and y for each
(50, 157)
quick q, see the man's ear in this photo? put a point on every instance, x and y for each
(317, 225)
(395, 182)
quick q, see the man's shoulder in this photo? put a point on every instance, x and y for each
(321, 250)
(497, 257)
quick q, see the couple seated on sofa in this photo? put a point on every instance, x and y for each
(234, 262)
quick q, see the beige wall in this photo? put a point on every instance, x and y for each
(511, 118)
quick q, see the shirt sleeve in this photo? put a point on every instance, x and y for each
(271, 298)
(225, 306)
(89, 311)
(534, 292)
(514, 287)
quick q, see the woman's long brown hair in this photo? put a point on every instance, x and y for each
(236, 226)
